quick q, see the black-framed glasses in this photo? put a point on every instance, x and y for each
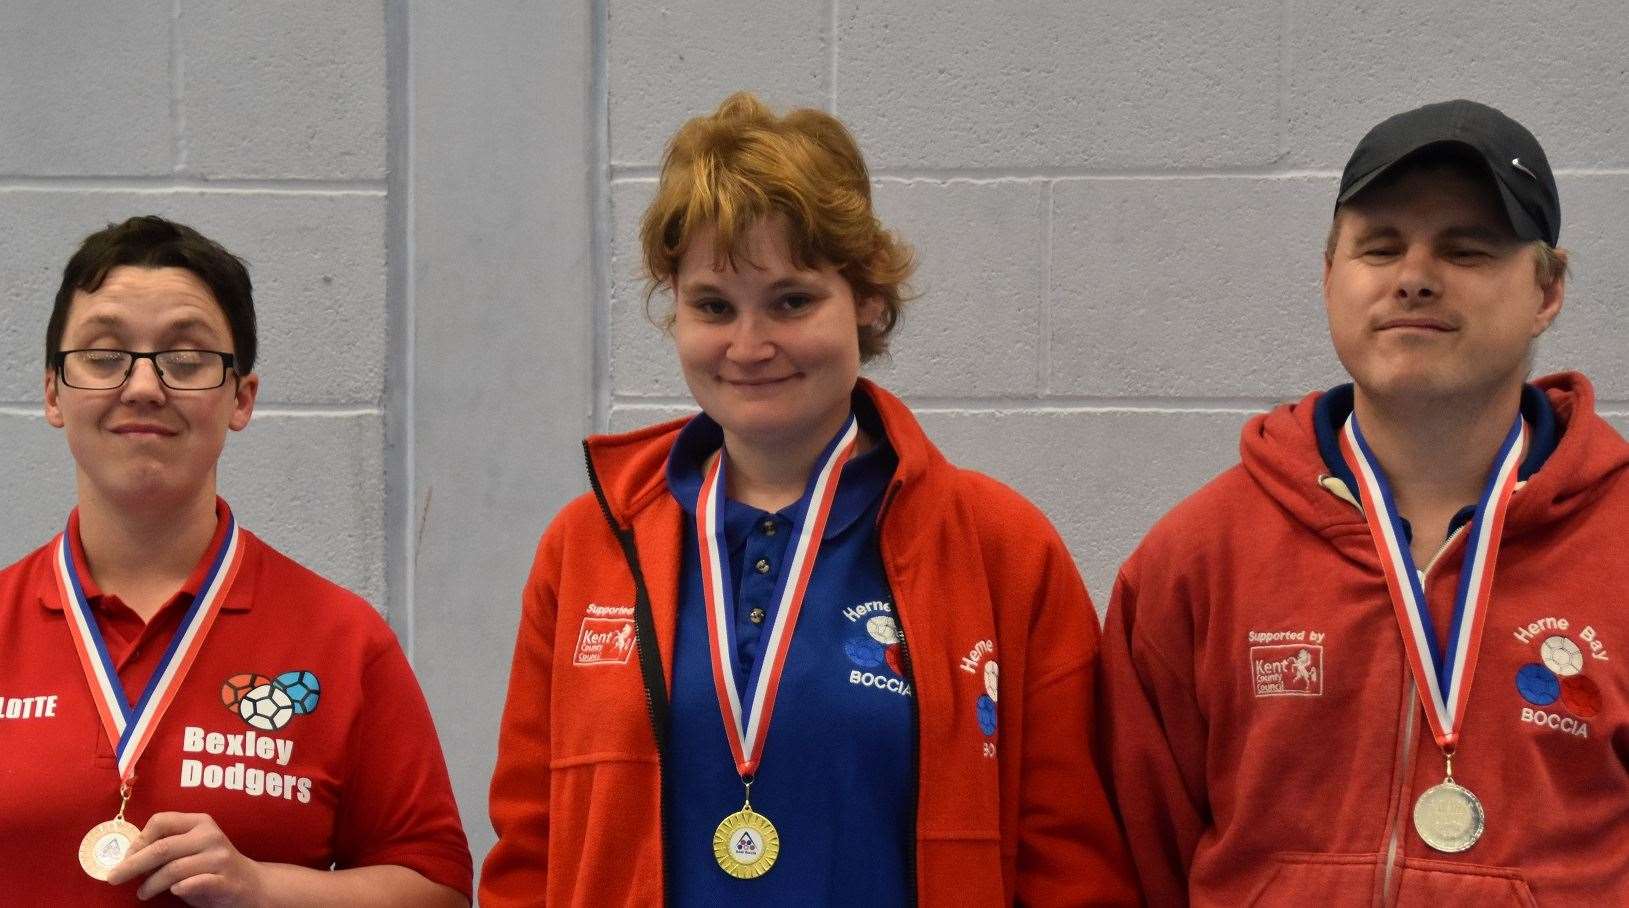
(103, 369)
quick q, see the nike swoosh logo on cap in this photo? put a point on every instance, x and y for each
(1517, 163)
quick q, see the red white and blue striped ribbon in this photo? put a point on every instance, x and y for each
(1443, 673)
(130, 726)
(746, 721)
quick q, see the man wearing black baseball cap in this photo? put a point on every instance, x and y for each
(1380, 660)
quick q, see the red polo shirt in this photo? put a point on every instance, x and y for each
(355, 778)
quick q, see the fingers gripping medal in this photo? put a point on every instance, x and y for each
(1447, 816)
(130, 727)
(746, 843)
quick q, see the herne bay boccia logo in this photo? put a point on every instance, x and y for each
(872, 645)
(270, 703)
(1561, 695)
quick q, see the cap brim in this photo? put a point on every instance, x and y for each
(1520, 221)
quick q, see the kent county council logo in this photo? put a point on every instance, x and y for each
(606, 636)
(1562, 697)
(270, 703)
(1288, 670)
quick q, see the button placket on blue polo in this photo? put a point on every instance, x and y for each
(752, 545)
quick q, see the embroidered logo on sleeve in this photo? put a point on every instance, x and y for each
(980, 662)
(1560, 694)
(606, 636)
(1288, 664)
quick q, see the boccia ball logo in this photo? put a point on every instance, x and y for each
(1559, 675)
(270, 703)
(302, 689)
(986, 704)
(879, 646)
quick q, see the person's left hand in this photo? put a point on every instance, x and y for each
(187, 854)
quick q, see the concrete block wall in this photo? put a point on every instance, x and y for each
(264, 126)
(1119, 207)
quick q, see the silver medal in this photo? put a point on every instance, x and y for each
(1448, 817)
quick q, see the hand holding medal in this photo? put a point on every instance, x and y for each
(1447, 816)
(187, 855)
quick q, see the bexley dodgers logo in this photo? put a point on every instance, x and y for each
(606, 636)
(1287, 663)
(873, 646)
(270, 703)
(1560, 695)
(265, 703)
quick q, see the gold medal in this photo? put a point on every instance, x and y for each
(746, 844)
(1448, 817)
(105, 846)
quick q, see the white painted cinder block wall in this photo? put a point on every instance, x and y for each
(1119, 209)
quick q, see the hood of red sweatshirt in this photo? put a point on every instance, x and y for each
(1279, 451)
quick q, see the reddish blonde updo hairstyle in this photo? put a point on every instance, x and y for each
(741, 164)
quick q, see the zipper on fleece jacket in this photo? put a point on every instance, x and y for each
(650, 660)
(916, 709)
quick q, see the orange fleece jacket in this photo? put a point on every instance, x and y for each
(577, 795)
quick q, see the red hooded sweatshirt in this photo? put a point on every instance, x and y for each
(977, 573)
(1263, 735)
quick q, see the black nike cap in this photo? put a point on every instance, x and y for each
(1513, 157)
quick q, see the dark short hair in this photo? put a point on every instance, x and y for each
(150, 241)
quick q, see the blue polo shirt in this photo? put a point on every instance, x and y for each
(836, 776)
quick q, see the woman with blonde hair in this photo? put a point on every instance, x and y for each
(759, 663)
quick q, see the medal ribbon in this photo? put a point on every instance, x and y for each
(1443, 677)
(129, 726)
(746, 724)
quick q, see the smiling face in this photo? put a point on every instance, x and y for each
(1430, 295)
(143, 445)
(770, 350)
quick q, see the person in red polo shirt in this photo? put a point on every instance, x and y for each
(184, 712)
